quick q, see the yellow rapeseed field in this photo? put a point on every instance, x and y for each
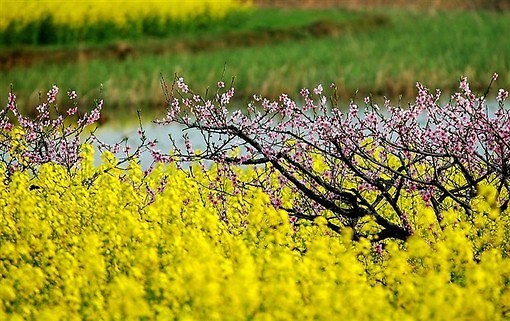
(77, 14)
(72, 249)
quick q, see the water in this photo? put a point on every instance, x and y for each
(113, 133)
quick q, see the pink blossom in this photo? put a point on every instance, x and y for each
(73, 110)
(52, 94)
(72, 94)
(502, 95)
(318, 90)
(182, 85)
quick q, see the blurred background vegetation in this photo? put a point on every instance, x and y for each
(378, 47)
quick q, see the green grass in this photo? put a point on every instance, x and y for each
(382, 59)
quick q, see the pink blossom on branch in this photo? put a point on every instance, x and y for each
(391, 154)
(52, 94)
(50, 137)
(502, 95)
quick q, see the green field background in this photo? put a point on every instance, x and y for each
(377, 50)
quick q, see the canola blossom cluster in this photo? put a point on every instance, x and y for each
(80, 241)
(115, 250)
(48, 21)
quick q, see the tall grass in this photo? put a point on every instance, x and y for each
(383, 61)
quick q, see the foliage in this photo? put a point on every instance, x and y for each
(360, 166)
(48, 22)
(385, 59)
(85, 241)
(113, 250)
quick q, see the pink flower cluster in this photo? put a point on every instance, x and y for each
(439, 149)
(341, 163)
(44, 138)
(49, 136)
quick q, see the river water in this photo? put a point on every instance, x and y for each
(112, 133)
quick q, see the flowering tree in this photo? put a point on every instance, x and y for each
(360, 167)
(54, 135)
(357, 165)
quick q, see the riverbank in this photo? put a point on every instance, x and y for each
(270, 51)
